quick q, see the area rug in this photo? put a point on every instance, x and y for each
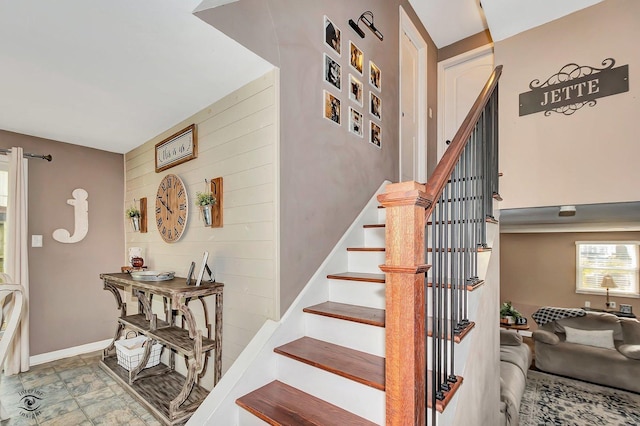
(554, 400)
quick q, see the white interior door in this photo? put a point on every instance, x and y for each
(409, 111)
(413, 102)
(460, 81)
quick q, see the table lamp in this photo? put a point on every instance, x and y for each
(607, 282)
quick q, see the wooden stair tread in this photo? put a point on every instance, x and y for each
(354, 365)
(360, 314)
(448, 396)
(279, 404)
(470, 287)
(366, 249)
(374, 225)
(359, 276)
(458, 337)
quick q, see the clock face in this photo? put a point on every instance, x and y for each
(172, 208)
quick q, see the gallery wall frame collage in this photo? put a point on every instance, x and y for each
(356, 102)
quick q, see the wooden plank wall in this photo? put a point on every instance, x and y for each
(238, 140)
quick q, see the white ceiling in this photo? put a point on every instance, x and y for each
(608, 216)
(449, 21)
(113, 74)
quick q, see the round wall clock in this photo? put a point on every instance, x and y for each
(172, 208)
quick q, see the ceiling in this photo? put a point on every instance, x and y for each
(113, 74)
(606, 216)
(504, 18)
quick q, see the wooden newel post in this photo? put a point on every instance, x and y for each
(406, 368)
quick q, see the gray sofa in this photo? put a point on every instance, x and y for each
(515, 359)
(616, 366)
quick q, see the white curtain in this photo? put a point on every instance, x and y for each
(16, 256)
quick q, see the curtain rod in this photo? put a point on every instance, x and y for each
(27, 155)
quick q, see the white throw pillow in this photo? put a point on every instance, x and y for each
(597, 338)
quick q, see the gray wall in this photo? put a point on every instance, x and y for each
(67, 304)
(327, 175)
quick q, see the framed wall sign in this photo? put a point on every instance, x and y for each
(177, 148)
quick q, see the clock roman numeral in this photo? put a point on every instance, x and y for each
(163, 186)
(169, 181)
(169, 234)
(183, 206)
(159, 222)
(180, 192)
(181, 220)
(158, 210)
(164, 231)
(176, 231)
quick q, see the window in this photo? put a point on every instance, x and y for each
(595, 259)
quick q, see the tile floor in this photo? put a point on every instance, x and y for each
(73, 391)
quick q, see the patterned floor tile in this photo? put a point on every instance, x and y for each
(149, 420)
(84, 383)
(75, 418)
(73, 391)
(102, 408)
(66, 363)
(54, 393)
(95, 396)
(53, 411)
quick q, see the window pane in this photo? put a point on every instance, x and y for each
(595, 260)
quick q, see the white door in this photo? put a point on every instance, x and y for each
(460, 81)
(413, 102)
(408, 111)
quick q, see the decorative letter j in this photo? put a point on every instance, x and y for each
(81, 213)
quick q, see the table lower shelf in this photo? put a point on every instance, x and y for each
(155, 392)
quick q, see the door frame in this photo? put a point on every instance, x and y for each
(442, 67)
(407, 26)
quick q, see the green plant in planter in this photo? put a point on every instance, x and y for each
(205, 199)
(507, 310)
(132, 212)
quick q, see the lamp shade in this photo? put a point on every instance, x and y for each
(607, 282)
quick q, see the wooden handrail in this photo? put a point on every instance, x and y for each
(406, 204)
(447, 163)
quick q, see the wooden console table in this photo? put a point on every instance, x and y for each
(170, 396)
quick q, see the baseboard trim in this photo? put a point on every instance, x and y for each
(66, 353)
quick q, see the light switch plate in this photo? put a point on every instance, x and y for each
(36, 241)
(612, 304)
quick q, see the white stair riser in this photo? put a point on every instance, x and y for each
(352, 396)
(359, 293)
(366, 261)
(460, 355)
(361, 337)
(374, 237)
(472, 302)
(382, 215)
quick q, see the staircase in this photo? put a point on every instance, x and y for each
(330, 361)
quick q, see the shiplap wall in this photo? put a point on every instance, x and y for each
(238, 140)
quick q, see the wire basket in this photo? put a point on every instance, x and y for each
(130, 351)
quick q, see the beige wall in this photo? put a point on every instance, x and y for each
(237, 140)
(540, 270)
(590, 156)
(464, 45)
(67, 304)
(327, 174)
